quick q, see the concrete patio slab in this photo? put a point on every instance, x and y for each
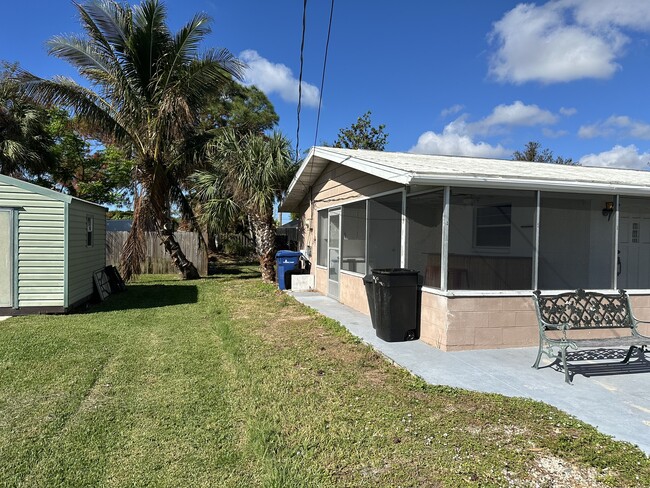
(615, 399)
(4, 317)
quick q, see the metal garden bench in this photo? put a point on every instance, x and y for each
(581, 310)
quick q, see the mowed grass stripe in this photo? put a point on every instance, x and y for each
(228, 382)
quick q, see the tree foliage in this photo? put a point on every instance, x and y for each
(25, 142)
(148, 88)
(247, 175)
(362, 135)
(534, 152)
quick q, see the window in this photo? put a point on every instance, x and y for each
(576, 242)
(491, 239)
(353, 242)
(493, 226)
(385, 231)
(424, 235)
(321, 256)
(90, 221)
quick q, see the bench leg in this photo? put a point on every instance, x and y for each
(629, 354)
(567, 376)
(539, 356)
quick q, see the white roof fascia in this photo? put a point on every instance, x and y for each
(530, 184)
(376, 169)
(301, 170)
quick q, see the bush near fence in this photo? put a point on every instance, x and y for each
(157, 261)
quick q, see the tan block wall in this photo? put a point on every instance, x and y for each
(353, 292)
(490, 323)
(641, 310)
(320, 280)
(433, 320)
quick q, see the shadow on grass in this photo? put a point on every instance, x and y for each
(140, 296)
(230, 271)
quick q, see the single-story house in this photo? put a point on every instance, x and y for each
(483, 233)
(50, 246)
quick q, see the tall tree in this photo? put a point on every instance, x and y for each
(149, 85)
(534, 152)
(363, 135)
(26, 146)
(248, 173)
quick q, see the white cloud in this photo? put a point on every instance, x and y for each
(454, 141)
(633, 14)
(553, 134)
(453, 110)
(276, 78)
(618, 157)
(618, 126)
(564, 40)
(516, 114)
(568, 111)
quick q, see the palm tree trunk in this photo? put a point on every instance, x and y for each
(264, 230)
(185, 266)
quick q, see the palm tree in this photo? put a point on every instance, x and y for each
(148, 85)
(25, 144)
(248, 174)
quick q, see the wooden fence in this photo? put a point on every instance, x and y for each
(157, 260)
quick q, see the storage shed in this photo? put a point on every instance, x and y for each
(483, 233)
(50, 246)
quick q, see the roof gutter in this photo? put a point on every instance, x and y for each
(530, 184)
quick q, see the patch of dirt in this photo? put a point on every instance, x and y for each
(552, 472)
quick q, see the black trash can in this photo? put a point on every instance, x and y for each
(371, 293)
(397, 307)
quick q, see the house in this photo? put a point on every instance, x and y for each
(50, 245)
(483, 233)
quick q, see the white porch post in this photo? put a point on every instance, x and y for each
(444, 248)
(538, 211)
(402, 259)
(617, 205)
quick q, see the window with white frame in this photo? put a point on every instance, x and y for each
(492, 226)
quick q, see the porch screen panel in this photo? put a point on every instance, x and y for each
(633, 264)
(575, 242)
(353, 242)
(321, 257)
(384, 231)
(424, 237)
(491, 239)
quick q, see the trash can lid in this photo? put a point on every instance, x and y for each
(395, 271)
(288, 254)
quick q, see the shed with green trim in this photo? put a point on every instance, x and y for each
(50, 246)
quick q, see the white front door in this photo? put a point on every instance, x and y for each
(634, 252)
(6, 258)
(333, 253)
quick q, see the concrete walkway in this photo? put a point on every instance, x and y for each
(616, 401)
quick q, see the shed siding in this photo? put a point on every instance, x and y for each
(40, 257)
(84, 260)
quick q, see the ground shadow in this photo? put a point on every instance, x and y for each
(140, 296)
(224, 271)
(603, 362)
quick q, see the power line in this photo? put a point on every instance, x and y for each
(302, 51)
(322, 81)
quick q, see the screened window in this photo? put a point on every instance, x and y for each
(353, 242)
(491, 239)
(385, 231)
(321, 256)
(493, 226)
(424, 235)
(575, 242)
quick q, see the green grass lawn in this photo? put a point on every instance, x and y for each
(227, 382)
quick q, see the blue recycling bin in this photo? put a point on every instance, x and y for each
(286, 261)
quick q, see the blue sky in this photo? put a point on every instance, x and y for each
(468, 77)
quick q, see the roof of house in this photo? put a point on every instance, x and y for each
(46, 192)
(426, 169)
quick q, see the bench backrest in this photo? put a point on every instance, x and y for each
(584, 310)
